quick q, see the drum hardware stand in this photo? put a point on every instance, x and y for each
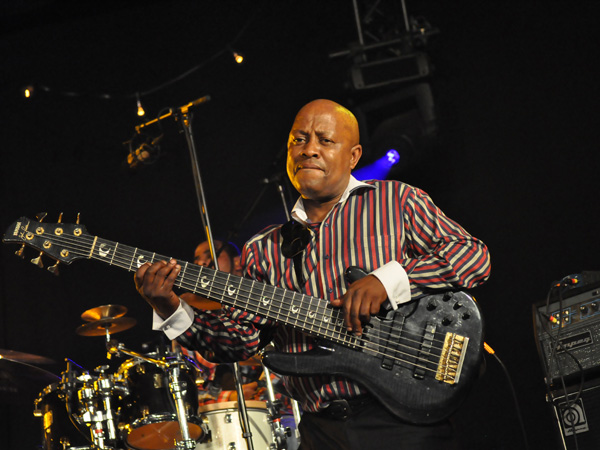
(243, 412)
(279, 432)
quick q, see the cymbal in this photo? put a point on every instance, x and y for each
(21, 383)
(199, 302)
(25, 357)
(112, 324)
(104, 311)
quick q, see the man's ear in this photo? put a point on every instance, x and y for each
(355, 154)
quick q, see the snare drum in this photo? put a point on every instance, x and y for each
(226, 431)
(149, 417)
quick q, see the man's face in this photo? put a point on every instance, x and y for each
(322, 150)
(202, 257)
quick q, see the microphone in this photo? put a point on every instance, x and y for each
(146, 153)
(198, 101)
(275, 178)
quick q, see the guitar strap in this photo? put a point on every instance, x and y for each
(296, 238)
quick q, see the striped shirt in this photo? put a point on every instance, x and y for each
(379, 222)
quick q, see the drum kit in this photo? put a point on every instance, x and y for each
(149, 403)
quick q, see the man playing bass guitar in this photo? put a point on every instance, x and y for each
(407, 246)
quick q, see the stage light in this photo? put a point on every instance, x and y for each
(380, 168)
(28, 91)
(239, 58)
(140, 110)
(392, 157)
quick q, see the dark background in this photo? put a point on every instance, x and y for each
(515, 161)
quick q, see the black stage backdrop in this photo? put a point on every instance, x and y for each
(516, 91)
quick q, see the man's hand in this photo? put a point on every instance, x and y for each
(155, 283)
(362, 299)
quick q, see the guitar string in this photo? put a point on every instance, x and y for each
(354, 342)
(193, 267)
(338, 336)
(338, 330)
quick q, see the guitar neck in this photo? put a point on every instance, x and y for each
(309, 314)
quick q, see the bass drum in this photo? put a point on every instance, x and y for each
(225, 429)
(58, 409)
(149, 417)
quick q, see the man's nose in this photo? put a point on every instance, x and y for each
(311, 148)
(204, 262)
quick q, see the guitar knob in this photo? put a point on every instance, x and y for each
(38, 261)
(54, 269)
(457, 305)
(20, 252)
(432, 305)
(446, 321)
(447, 296)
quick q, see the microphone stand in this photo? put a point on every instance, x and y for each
(185, 117)
(186, 121)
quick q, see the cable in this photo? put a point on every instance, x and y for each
(491, 351)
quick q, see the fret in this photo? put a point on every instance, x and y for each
(132, 258)
(259, 298)
(181, 275)
(113, 255)
(93, 246)
(208, 284)
(197, 280)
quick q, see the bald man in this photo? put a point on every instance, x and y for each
(394, 231)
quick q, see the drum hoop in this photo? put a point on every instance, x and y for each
(152, 419)
(250, 404)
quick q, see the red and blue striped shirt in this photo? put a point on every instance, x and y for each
(379, 222)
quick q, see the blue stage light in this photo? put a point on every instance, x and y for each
(378, 169)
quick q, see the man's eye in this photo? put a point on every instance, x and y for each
(298, 140)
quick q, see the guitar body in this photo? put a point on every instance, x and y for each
(419, 361)
(391, 371)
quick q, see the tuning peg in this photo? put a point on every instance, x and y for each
(78, 217)
(59, 218)
(38, 261)
(41, 216)
(54, 269)
(20, 252)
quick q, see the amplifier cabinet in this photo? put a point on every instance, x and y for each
(578, 422)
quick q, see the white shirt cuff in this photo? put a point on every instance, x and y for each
(177, 323)
(395, 281)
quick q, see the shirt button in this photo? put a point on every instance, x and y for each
(326, 224)
(167, 327)
(326, 256)
(330, 290)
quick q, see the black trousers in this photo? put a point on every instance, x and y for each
(372, 427)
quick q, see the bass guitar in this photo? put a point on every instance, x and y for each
(419, 361)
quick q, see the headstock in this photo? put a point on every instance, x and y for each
(63, 242)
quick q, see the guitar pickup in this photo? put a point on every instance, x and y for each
(452, 358)
(426, 345)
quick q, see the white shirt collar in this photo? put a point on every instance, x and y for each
(299, 213)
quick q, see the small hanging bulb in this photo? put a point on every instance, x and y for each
(28, 91)
(239, 58)
(140, 110)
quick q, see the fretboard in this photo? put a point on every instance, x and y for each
(310, 314)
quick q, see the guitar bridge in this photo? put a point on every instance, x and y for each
(452, 358)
